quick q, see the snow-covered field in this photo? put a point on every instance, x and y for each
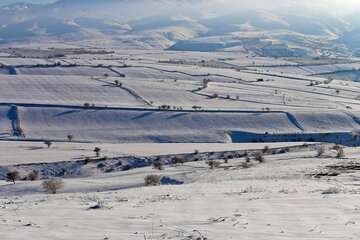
(144, 107)
(278, 199)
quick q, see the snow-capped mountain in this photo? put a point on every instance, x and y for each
(171, 24)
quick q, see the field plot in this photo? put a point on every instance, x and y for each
(235, 146)
(66, 71)
(63, 90)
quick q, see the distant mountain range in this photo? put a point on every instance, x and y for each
(179, 25)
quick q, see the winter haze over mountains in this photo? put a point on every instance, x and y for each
(282, 28)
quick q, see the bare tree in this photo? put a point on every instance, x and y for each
(48, 143)
(12, 176)
(97, 151)
(70, 137)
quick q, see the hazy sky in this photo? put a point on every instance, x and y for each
(334, 6)
(7, 2)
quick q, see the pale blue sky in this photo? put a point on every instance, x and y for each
(7, 2)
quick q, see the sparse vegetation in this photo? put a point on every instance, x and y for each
(127, 167)
(266, 149)
(53, 185)
(12, 176)
(33, 175)
(101, 165)
(339, 151)
(70, 137)
(97, 151)
(159, 165)
(320, 151)
(178, 160)
(63, 171)
(87, 160)
(48, 143)
(153, 180)
(259, 156)
(213, 164)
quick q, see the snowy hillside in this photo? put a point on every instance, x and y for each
(184, 120)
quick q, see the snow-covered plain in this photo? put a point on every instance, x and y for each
(145, 106)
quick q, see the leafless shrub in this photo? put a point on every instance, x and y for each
(159, 165)
(178, 160)
(101, 165)
(53, 185)
(265, 149)
(213, 164)
(259, 156)
(339, 151)
(63, 171)
(153, 180)
(246, 164)
(127, 167)
(320, 151)
(87, 160)
(33, 175)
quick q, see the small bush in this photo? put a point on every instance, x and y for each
(178, 160)
(259, 156)
(53, 185)
(247, 159)
(196, 152)
(87, 160)
(320, 151)
(70, 137)
(213, 164)
(226, 159)
(246, 164)
(101, 165)
(153, 180)
(266, 149)
(48, 143)
(12, 176)
(63, 171)
(340, 152)
(127, 167)
(34, 175)
(159, 165)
